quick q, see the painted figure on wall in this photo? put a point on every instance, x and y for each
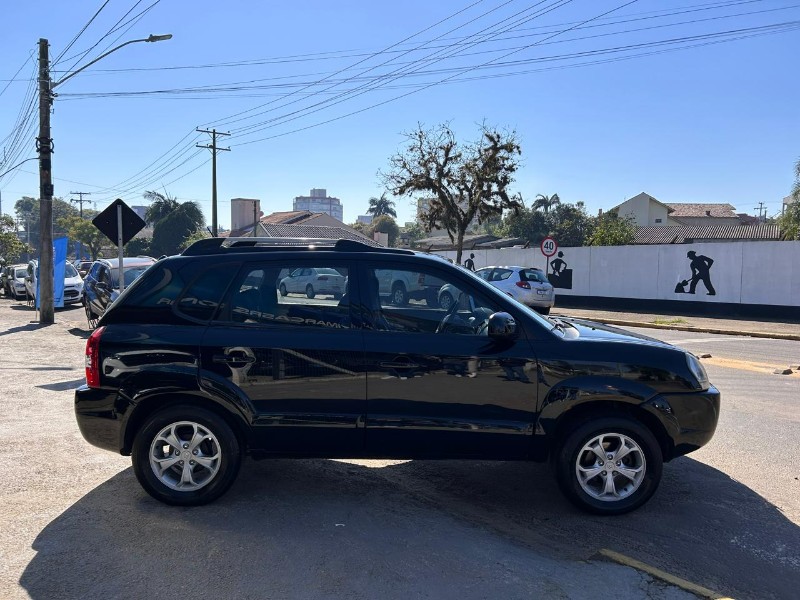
(561, 277)
(701, 271)
(470, 262)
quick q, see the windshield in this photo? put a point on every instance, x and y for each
(131, 274)
(69, 271)
(19, 273)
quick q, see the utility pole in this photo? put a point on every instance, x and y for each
(213, 147)
(44, 146)
(80, 202)
(760, 209)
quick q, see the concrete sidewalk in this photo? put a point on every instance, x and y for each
(752, 328)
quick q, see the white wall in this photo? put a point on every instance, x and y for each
(742, 273)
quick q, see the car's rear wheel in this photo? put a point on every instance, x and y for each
(399, 295)
(609, 465)
(310, 291)
(545, 310)
(91, 318)
(283, 289)
(186, 456)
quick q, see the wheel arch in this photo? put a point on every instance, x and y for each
(158, 401)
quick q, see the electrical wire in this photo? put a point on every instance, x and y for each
(78, 35)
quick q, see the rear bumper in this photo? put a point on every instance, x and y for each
(98, 417)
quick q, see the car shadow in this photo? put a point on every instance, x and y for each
(295, 528)
(63, 386)
(81, 333)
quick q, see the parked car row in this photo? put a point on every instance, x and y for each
(12, 281)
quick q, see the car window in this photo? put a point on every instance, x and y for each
(501, 274)
(69, 271)
(532, 275)
(484, 273)
(203, 295)
(262, 294)
(19, 273)
(422, 301)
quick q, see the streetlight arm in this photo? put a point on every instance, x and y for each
(152, 38)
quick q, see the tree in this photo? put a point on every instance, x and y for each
(385, 224)
(789, 221)
(546, 202)
(612, 230)
(381, 206)
(414, 232)
(570, 224)
(469, 182)
(173, 222)
(85, 232)
(139, 246)
(11, 248)
(27, 209)
(529, 224)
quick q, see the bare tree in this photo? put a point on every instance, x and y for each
(466, 182)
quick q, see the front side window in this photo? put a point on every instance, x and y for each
(280, 294)
(429, 302)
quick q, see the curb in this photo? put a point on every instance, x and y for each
(756, 334)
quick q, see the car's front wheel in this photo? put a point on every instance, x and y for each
(283, 289)
(186, 456)
(609, 465)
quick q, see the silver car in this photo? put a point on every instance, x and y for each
(528, 285)
(313, 282)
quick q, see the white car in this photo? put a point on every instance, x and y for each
(15, 285)
(313, 282)
(73, 283)
(528, 285)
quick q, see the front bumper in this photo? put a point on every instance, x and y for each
(691, 419)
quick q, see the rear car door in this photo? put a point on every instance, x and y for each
(297, 361)
(437, 385)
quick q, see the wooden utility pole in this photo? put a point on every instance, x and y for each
(44, 146)
(213, 147)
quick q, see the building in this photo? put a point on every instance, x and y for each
(704, 214)
(298, 223)
(140, 210)
(645, 211)
(245, 212)
(320, 202)
(365, 219)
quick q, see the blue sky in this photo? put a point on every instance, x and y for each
(713, 123)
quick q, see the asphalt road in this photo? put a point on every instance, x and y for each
(76, 524)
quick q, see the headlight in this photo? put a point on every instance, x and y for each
(697, 370)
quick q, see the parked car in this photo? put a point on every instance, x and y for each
(528, 285)
(14, 281)
(101, 284)
(82, 266)
(203, 359)
(312, 282)
(401, 287)
(73, 284)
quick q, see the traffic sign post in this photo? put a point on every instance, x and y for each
(548, 247)
(119, 223)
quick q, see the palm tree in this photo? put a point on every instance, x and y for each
(546, 202)
(381, 206)
(173, 222)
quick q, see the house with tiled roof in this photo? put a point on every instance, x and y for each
(694, 234)
(645, 211)
(704, 214)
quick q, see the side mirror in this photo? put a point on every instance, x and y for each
(502, 326)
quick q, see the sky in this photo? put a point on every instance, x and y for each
(687, 100)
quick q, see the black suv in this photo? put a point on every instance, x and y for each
(203, 359)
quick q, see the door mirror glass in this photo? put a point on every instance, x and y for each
(502, 326)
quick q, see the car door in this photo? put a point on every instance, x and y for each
(439, 387)
(296, 361)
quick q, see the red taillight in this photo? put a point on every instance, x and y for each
(93, 358)
(524, 285)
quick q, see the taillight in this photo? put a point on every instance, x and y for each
(524, 285)
(93, 358)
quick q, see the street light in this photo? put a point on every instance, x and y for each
(44, 146)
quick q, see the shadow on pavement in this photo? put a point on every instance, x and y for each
(321, 528)
(63, 386)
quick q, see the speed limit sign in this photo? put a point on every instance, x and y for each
(549, 246)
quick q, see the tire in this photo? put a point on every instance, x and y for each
(215, 441)
(432, 300)
(446, 301)
(310, 291)
(283, 289)
(399, 295)
(91, 318)
(574, 463)
(544, 310)
(337, 296)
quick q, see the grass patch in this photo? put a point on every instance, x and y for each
(676, 321)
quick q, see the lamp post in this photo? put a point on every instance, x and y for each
(44, 146)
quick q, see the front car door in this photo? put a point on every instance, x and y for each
(437, 385)
(297, 361)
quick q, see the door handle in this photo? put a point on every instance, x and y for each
(233, 359)
(399, 365)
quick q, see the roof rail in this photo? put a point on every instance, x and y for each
(244, 244)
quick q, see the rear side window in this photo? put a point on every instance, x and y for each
(203, 295)
(532, 275)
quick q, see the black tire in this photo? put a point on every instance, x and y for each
(91, 318)
(310, 291)
(565, 463)
(337, 296)
(545, 310)
(432, 300)
(399, 295)
(283, 289)
(230, 456)
(446, 301)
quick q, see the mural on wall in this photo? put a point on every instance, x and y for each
(701, 271)
(561, 277)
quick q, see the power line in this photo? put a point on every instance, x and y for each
(75, 39)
